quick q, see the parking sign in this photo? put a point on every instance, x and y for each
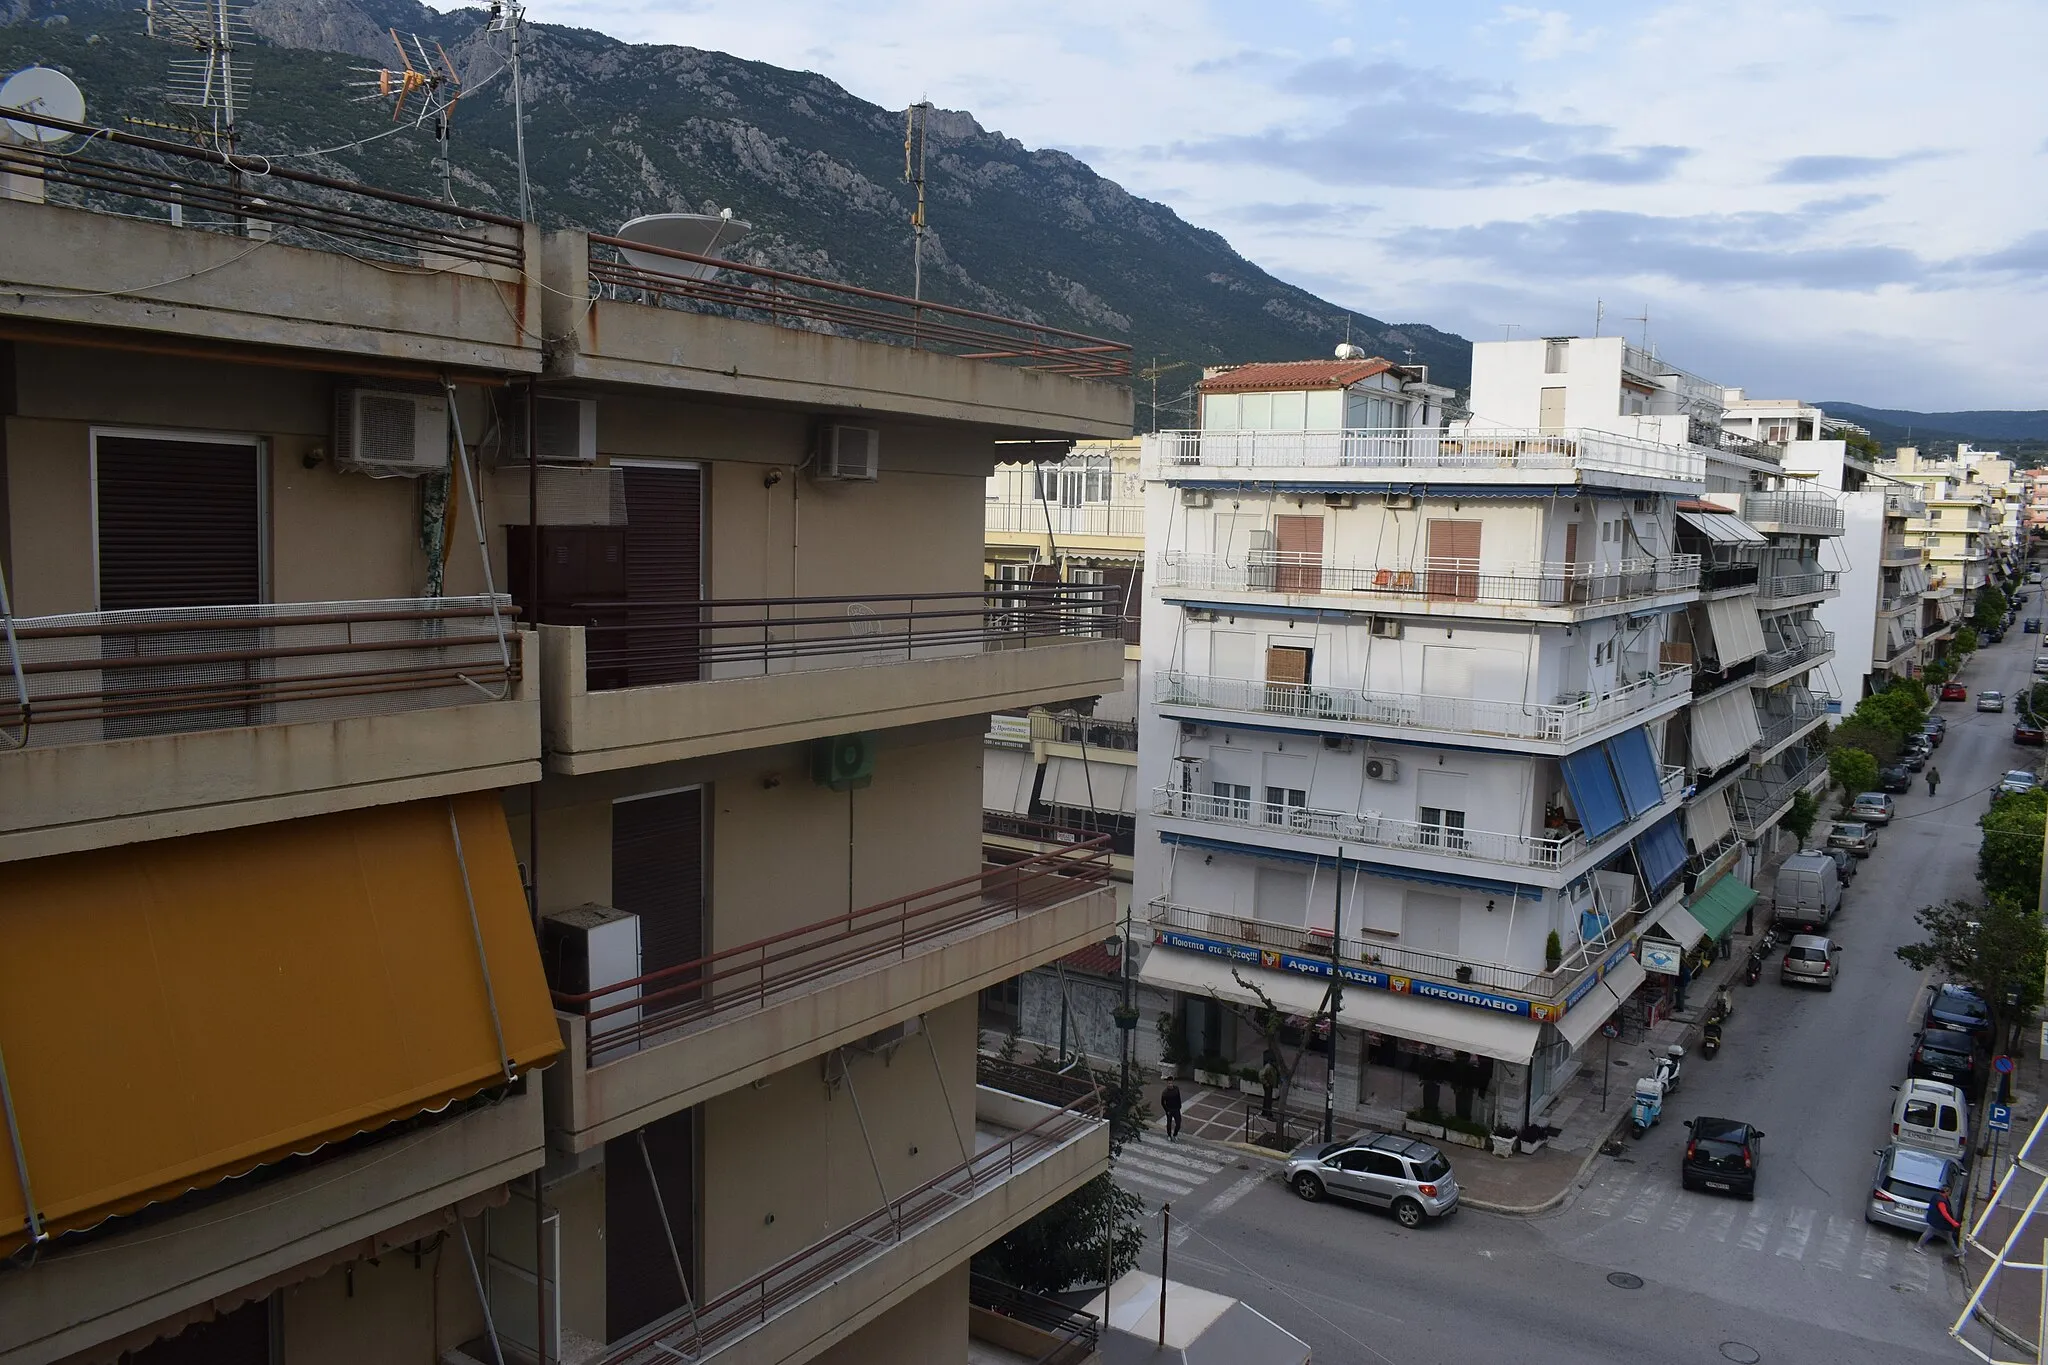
(2001, 1118)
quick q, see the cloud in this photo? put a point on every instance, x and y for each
(1300, 214)
(1416, 128)
(2028, 256)
(1551, 34)
(1830, 170)
(1707, 249)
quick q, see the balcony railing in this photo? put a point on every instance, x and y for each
(1436, 580)
(111, 171)
(1812, 513)
(127, 674)
(1075, 1333)
(1902, 504)
(1369, 952)
(648, 643)
(1898, 551)
(722, 1322)
(632, 1013)
(1817, 644)
(759, 294)
(1379, 831)
(1087, 519)
(1557, 721)
(1778, 726)
(1714, 577)
(1071, 727)
(1402, 448)
(1779, 587)
(1759, 798)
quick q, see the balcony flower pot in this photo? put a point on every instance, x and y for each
(1503, 1146)
(1530, 1146)
(1126, 1019)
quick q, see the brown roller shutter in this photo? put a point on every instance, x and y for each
(1301, 554)
(640, 1284)
(1127, 598)
(658, 874)
(1454, 560)
(664, 572)
(179, 524)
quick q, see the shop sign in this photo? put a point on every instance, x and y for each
(1660, 958)
(1368, 977)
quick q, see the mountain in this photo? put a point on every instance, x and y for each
(1985, 426)
(616, 129)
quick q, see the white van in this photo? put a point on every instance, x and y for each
(1807, 893)
(1932, 1116)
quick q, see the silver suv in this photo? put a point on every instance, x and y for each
(1385, 1170)
(1810, 960)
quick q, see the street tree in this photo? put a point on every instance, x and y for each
(1991, 607)
(1854, 771)
(2009, 860)
(1800, 816)
(1995, 948)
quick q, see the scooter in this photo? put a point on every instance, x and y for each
(1648, 1106)
(1710, 1037)
(1669, 1067)
(1753, 970)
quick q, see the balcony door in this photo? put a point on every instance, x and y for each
(178, 522)
(658, 874)
(1454, 560)
(650, 1223)
(664, 573)
(1299, 559)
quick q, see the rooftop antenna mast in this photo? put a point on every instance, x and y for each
(914, 122)
(1644, 318)
(211, 81)
(1152, 372)
(509, 16)
(1599, 315)
(436, 83)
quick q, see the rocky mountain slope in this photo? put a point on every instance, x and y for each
(617, 129)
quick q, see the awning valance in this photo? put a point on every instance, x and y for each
(1707, 821)
(1006, 778)
(1678, 926)
(1724, 728)
(1091, 785)
(186, 1010)
(1584, 1019)
(1723, 528)
(1738, 635)
(1723, 903)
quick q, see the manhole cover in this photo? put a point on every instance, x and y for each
(1740, 1354)
(1621, 1279)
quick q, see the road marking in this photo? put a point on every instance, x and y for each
(1798, 1227)
(1834, 1248)
(1681, 1214)
(1877, 1250)
(1613, 1191)
(1236, 1192)
(1647, 1204)
(1913, 1268)
(1756, 1234)
(1124, 1173)
(1721, 1223)
(1158, 1151)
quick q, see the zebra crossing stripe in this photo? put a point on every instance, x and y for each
(1174, 1188)
(1798, 1228)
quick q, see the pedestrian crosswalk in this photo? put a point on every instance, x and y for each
(1650, 1199)
(1162, 1170)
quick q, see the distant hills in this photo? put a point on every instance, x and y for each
(618, 129)
(2017, 432)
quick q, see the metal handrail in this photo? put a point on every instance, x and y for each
(1380, 831)
(1797, 584)
(1805, 511)
(1435, 579)
(803, 301)
(726, 1318)
(1071, 727)
(1419, 711)
(1503, 448)
(393, 226)
(746, 975)
(1758, 798)
(1087, 519)
(1077, 1332)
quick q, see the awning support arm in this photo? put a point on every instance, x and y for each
(668, 1234)
(483, 546)
(482, 959)
(482, 1300)
(944, 1093)
(846, 1073)
(28, 1194)
(14, 665)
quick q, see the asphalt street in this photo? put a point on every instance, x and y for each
(1795, 1276)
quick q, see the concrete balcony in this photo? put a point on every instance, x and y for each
(1899, 551)
(1764, 794)
(1089, 521)
(1793, 657)
(1797, 586)
(1551, 857)
(342, 271)
(1793, 513)
(1030, 1156)
(1555, 728)
(622, 313)
(716, 677)
(158, 724)
(1462, 588)
(653, 1046)
(1367, 456)
(374, 1194)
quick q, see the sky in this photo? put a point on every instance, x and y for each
(1822, 201)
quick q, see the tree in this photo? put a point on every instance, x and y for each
(1269, 1020)
(1879, 741)
(1853, 771)
(2009, 860)
(1966, 640)
(1096, 1228)
(1996, 949)
(1991, 606)
(1799, 817)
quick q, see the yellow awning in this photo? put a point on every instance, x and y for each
(178, 1012)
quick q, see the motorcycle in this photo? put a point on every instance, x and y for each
(1648, 1106)
(1753, 971)
(1710, 1037)
(1670, 1067)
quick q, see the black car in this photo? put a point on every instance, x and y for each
(1994, 636)
(1721, 1155)
(1914, 756)
(1946, 1054)
(1897, 778)
(1957, 1007)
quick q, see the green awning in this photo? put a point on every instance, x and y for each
(1725, 900)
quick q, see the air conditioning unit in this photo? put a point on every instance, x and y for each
(588, 948)
(389, 432)
(1340, 499)
(844, 762)
(1194, 497)
(1201, 614)
(1338, 744)
(1190, 730)
(1399, 501)
(565, 430)
(1386, 627)
(851, 454)
(1383, 769)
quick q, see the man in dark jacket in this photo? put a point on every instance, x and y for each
(1169, 1105)
(1943, 1223)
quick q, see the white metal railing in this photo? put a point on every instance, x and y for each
(1759, 798)
(1801, 511)
(1815, 644)
(1899, 550)
(1504, 449)
(1774, 587)
(1369, 827)
(1086, 519)
(1563, 720)
(1436, 579)
(1776, 727)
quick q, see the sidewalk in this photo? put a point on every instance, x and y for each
(2013, 1302)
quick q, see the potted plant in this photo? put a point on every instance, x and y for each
(1248, 1079)
(1126, 1017)
(1533, 1137)
(1503, 1141)
(1424, 1122)
(1553, 951)
(1214, 1071)
(1173, 1052)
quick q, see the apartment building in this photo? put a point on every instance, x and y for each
(485, 773)
(1963, 534)
(1403, 699)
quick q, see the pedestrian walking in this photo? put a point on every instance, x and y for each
(1933, 778)
(1169, 1104)
(1943, 1223)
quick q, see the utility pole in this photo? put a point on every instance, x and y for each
(914, 122)
(510, 15)
(1336, 1003)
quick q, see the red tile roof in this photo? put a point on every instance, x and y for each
(1094, 958)
(1296, 374)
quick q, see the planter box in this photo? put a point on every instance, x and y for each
(1530, 1148)
(1216, 1080)
(1466, 1139)
(1429, 1130)
(1503, 1147)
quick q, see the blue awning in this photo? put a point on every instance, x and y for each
(1660, 853)
(1636, 762)
(1404, 874)
(1595, 796)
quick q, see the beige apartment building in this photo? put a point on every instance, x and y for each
(488, 734)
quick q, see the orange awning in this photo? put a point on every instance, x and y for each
(178, 1012)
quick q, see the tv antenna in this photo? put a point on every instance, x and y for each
(1507, 330)
(1152, 373)
(914, 121)
(509, 16)
(436, 83)
(1599, 315)
(1644, 318)
(212, 81)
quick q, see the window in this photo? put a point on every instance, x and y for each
(1555, 350)
(1279, 800)
(1441, 828)
(1231, 800)
(1353, 1161)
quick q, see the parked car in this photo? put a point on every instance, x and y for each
(1897, 778)
(2029, 732)
(1946, 1054)
(1853, 837)
(1907, 1181)
(1873, 808)
(1958, 1007)
(1954, 691)
(2017, 782)
(1844, 860)
(1995, 636)
(1722, 1154)
(2032, 625)
(1933, 1116)
(1384, 1170)
(1990, 700)
(1935, 727)
(1810, 960)
(1914, 757)
(1806, 894)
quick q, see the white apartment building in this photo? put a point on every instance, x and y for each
(1970, 531)
(1405, 694)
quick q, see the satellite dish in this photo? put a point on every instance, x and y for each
(700, 234)
(44, 92)
(1347, 351)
